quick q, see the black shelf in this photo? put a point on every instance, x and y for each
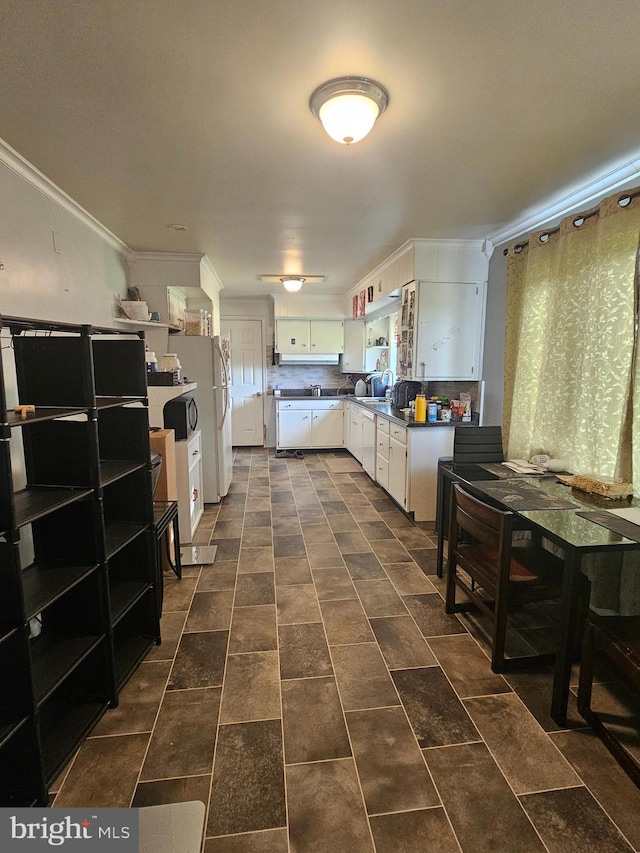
(37, 501)
(76, 621)
(54, 657)
(45, 583)
(124, 595)
(43, 413)
(112, 470)
(119, 534)
(67, 730)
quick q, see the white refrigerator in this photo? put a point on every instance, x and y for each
(206, 361)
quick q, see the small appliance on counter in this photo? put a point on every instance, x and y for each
(316, 390)
(361, 388)
(376, 386)
(181, 415)
(403, 392)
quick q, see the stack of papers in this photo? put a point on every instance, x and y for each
(521, 466)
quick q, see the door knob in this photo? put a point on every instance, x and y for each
(259, 393)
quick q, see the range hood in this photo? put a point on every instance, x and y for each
(311, 358)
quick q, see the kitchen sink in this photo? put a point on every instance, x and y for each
(372, 400)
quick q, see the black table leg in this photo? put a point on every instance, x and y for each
(570, 613)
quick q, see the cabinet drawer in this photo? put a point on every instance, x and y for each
(382, 471)
(312, 403)
(194, 447)
(382, 425)
(382, 445)
(399, 433)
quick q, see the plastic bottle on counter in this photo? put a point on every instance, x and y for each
(276, 391)
(432, 413)
(421, 408)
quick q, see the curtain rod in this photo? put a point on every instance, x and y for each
(623, 201)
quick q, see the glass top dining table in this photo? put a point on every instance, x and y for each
(572, 520)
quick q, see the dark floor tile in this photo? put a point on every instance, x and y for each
(334, 508)
(171, 626)
(303, 651)
(333, 583)
(248, 782)
(364, 566)
(363, 679)
(425, 558)
(266, 841)
(292, 570)
(281, 496)
(231, 512)
(237, 499)
(178, 594)
(166, 791)
(316, 736)
(607, 781)
(257, 519)
(345, 622)
(392, 771)
(409, 579)
(428, 611)
(534, 686)
(104, 773)
(484, 812)
(326, 812)
(413, 538)
(382, 504)
(571, 821)
(317, 533)
(414, 832)
(309, 514)
(251, 688)
(289, 546)
(340, 523)
(379, 598)
(183, 739)
(505, 725)
(138, 701)
(324, 556)
(395, 519)
(328, 494)
(255, 588)
(253, 629)
(297, 603)
(436, 714)
(286, 527)
(390, 551)
(375, 530)
(210, 611)
(228, 549)
(200, 660)
(401, 643)
(366, 512)
(466, 666)
(218, 576)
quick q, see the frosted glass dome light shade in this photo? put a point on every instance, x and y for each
(348, 107)
(292, 283)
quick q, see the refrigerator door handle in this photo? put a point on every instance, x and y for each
(224, 385)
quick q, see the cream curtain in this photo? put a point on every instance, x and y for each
(569, 345)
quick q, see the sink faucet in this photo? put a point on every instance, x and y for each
(390, 373)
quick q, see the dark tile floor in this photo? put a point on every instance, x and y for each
(311, 690)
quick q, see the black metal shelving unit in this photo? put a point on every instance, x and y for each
(78, 597)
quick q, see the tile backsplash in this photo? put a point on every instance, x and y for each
(304, 375)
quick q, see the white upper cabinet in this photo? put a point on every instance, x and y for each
(353, 360)
(304, 337)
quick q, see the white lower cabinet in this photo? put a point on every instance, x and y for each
(310, 423)
(369, 443)
(355, 432)
(189, 482)
(397, 487)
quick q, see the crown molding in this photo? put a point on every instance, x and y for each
(594, 190)
(25, 170)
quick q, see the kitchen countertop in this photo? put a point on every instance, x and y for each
(381, 408)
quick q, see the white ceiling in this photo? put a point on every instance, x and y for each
(150, 112)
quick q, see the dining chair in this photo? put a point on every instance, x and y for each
(617, 639)
(477, 444)
(496, 573)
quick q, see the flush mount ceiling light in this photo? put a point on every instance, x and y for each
(176, 226)
(292, 283)
(348, 107)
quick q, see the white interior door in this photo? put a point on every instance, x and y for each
(246, 362)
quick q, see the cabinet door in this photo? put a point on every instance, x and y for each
(355, 435)
(327, 336)
(369, 445)
(327, 428)
(382, 471)
(292, 336)
(294, 428)
(449, 335)
(195, 491)
(398, 471)
(354, 352)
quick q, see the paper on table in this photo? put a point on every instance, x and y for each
(630, 513)
(521, 466)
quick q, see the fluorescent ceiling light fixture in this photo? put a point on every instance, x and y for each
(348, 107)
(292, 283)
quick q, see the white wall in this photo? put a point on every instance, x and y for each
(493, 364)
(77, 284)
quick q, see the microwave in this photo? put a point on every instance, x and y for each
(181, 415)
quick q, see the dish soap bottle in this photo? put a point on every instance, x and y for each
(421, 408)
